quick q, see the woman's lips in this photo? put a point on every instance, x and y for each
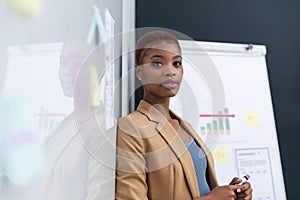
(170, 84)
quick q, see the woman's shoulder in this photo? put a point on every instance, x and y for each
(136, 123)
(135, 117)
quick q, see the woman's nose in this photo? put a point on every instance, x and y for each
(170, 70)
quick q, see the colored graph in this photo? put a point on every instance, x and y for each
(48, 121)
(220, 123)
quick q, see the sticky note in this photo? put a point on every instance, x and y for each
(222, 155)
(26, 7)
(94, 93)
(252, 118)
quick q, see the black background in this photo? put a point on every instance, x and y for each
(275, 24)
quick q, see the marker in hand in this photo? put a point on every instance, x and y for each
(244, 179)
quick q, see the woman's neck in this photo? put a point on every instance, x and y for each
(161, 104)
(83, 109)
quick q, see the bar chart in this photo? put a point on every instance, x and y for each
(220, 123)
(47, 120)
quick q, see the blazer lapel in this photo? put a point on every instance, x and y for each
(61, 140)
(177, 145)
(70, 128)
(169, 134)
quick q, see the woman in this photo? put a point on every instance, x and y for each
(159, 155)
(73, 152)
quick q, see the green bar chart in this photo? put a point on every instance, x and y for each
(47, 120)
(220, 123)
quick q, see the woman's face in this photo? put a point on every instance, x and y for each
(69, 67)
(161, 70)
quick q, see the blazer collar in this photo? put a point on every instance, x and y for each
(88, 127)
(150, 111)
(156, 116)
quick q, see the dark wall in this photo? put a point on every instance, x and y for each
(275, 24)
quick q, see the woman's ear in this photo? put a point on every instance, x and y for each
(138, 72)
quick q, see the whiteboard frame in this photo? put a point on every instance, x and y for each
(238, 49)
(189, 46)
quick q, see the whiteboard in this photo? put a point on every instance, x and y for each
(225, 95)
(33, 105)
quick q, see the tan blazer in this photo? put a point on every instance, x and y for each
(152, 160)
(79, 161)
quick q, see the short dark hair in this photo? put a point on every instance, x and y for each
(147, 40)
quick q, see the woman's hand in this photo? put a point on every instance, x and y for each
(232, 191)
(244, 192)
(226, 192)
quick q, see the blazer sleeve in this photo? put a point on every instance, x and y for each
(101, 171)
(101, 181)
(131, 164)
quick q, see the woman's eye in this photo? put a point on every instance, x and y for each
(177, 64)
(156, 64)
